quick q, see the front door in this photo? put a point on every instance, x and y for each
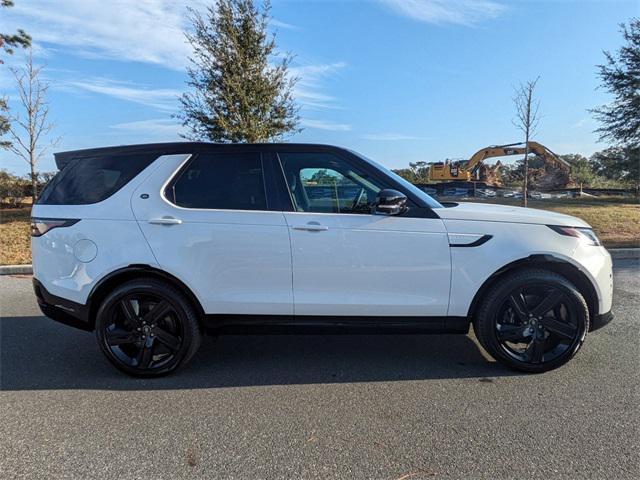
(350, 262)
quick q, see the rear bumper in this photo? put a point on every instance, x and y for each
(601, 320)
(62, 310)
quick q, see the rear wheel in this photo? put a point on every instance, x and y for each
(147, 328)
(532, 320)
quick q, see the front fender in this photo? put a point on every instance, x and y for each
(514, 245)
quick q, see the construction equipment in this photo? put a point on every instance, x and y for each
(468, 170)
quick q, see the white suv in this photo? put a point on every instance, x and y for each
(153, 245)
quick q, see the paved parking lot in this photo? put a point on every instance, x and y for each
(383, 407)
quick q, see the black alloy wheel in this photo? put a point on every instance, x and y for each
(537, 323)
(533, 321)
(147, 328)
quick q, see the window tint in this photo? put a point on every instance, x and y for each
(90, 180)
(324, 183)
(426, 198)
(221, 181)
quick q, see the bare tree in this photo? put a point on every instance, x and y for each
(28, 130)
(527, 120)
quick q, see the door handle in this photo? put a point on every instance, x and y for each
(165, 221)
(311, 227)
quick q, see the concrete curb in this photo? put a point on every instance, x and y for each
(16, 270)
(624, 253)
(616, 254)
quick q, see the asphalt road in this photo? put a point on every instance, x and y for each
(382, 407)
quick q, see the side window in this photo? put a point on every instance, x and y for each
(325, 183)
(221, 181)
(84, 181)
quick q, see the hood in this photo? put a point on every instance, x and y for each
(504, 213)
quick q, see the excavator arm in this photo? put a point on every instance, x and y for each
(468, 170)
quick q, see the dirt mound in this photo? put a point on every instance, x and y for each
(489, 174)
(548, 178)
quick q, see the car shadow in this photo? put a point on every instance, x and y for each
(38, 354)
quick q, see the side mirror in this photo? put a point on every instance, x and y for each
(390, 202)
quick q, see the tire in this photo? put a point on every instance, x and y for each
(147, 328)
(532, 320)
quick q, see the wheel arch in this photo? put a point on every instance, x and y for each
(546, 262)
(111, 280)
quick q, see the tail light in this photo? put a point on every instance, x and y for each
(40, 226)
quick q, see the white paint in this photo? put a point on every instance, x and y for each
(266, 262)
(370, 265)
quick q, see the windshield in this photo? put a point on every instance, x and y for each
(408, 185)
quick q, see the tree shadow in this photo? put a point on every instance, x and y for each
(38, 354)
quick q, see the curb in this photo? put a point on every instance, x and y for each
(616, 254)
(16, 270)
(624, 253)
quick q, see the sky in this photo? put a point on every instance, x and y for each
(397, 80)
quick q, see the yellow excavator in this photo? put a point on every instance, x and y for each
(467, 170)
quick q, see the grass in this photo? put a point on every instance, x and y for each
(15, 241)
(615, 220)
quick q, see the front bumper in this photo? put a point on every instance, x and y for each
(62, 310)
(596, 263)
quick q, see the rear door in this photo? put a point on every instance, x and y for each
(348, 261)
(212, 225)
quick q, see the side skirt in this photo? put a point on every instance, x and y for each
(333, 325)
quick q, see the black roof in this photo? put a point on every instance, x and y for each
(172, 148)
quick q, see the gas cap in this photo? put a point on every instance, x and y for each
(85, 250)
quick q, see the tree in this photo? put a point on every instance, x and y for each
(620, 76)
(323, 177)
(12, 189)
(621, 164)
(44, 178)
(527, 120)
(581, 169)
(238, 94)
(511, 175)
(405, 173)
(418, 172)
(10, 40)
(27, 133)
(5, 124)
(7, 42)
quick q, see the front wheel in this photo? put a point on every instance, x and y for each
(532, 321)
(147, 328)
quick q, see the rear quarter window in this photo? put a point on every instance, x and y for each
(85, 181)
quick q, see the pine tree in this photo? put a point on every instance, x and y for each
(7, 42)
(620, 120)
(241, 91)
(10, 40)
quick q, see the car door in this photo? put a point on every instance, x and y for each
(348, 261)
(209, 221)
